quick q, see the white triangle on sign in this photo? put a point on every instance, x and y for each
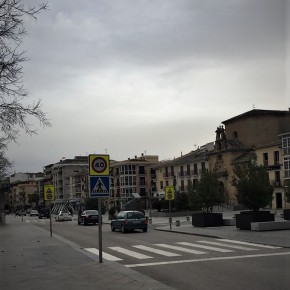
(100, 187)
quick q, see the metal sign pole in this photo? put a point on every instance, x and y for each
(50, 224)
(99, 175)
(170, 217)
(100, 230)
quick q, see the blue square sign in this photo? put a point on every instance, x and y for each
(99, 186)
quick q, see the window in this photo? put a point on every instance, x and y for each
(172, 170)
(167, 183)
(265, 159)
(287, 166)
(182, 185)
(286, 144)
(235, 135)
(181, 171)
(161, 184)
(188, 170)
(195, 169)
(166, 171)
(276, 158)
(202, 166)
(277, 178)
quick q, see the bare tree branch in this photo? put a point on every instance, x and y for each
(14, 113)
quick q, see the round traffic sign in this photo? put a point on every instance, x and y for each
(99, 165)
(169, 195)
(49, 196)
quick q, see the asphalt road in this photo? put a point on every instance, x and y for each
(184, 261)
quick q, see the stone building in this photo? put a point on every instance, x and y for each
(255, 134)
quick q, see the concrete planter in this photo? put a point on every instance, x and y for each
(205, 219)
(244, 219)
(286, 214)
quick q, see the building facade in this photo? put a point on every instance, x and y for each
(253, 135)
(131, 179)
(182, 170)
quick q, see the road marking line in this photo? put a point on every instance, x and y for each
(181, 249)
(156, 251)
(130, 253)
(106, 256)
(206, 260)
(228, 246)
(249, 244)
(205, 247)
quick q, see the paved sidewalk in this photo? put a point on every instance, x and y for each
(275, 238)
(32, 260)
(279, 238)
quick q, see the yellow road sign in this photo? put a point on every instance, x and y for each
(169, 192)
(49, 192)
(99, 165)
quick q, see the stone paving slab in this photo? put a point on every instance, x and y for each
(32, 260)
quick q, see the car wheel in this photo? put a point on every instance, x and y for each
(144, 230)
(85, 222)
(112, 228)
(123, 229)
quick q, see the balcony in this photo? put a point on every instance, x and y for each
(168, 175)
(273, 167)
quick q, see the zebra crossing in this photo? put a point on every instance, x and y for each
(183, 250)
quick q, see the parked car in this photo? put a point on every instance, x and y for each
(129, 221)
(88, 217)
(63, 216)
(44, 213)
(20, 212)
(34, 212)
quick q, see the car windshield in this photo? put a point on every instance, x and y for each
(135, 215)
(92, 212)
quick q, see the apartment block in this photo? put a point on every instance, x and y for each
(179, 171)
(132, 179)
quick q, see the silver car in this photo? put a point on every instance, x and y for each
(63, 216)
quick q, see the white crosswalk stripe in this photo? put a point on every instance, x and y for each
(205, 247)
(130, 253)
(105, 255)
(219, 245)
(227, 245)
(156, 251)
(249, 244)
(181, 249)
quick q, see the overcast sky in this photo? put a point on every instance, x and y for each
(126, 77)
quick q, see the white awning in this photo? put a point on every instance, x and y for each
(136, 195)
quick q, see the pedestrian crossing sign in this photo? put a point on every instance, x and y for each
(169, 193)
(99, 186)
(49, 192)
